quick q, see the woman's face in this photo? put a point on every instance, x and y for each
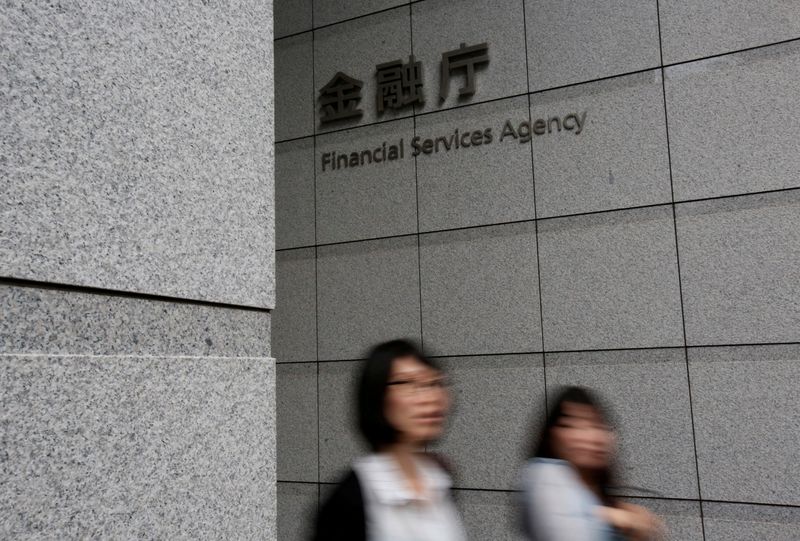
(417, 400)
(582, 437)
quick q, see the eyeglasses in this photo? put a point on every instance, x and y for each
(413, 386)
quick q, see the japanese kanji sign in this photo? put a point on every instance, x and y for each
(400, 84)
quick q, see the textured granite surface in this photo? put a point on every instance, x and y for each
(732, 522)
(461, 187)
(51, 321)
(367, 292)
(729, 131)
(479, 290)
(490, 515)
(137, 447)
(292, 16)
(371, 200)
(610, 281)
(746, 407)
(137, 147)
(294, 320)
(694, 29)
(332, 11)
(648, 396)
(297, 422)
(681, 518)
(569, 42)
(294, 87)
(619, 159)
(294, 194)
(355, 48)
(439, 26)
(297, 506)
(740, 269)
(504, 396)
(339, 439)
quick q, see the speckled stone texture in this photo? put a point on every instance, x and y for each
(355, 48)
(461, 187)
(297, 507)
(294, 194)
(490, 515)
(746, 407)
(740, 269)
(681, 519)
(367, 292)
(610, 281)
(647, 392)
(371, 200)
(504, 396)
(618, 160)
(137, 147)
(340, 442)
(294, 321)
(479, 290)
(50, 321)
(292, 16)
(729, 127)
(440, 26)
(137, 447)
(331, 11)
(735, 522)
(294, 87)
(694, 29)
(569, 42)
(297, 422)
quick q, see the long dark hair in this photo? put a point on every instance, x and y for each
(543, 448)
(371, 392)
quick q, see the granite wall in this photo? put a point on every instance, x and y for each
(137, 384)
(655, 256)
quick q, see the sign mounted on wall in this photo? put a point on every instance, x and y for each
(400, 85)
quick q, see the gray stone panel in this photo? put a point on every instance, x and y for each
(740, 266)
(570, 42)
(498, 402)
(370, 200)
(291, 16)
(440, 26)
(52, 321)
(297, 509)
(681, 519)
(355, 48)
(619, 158)
(729, 126)
(294, 321)
(294, 194)
(137, 148)
(332, 11)
(648, 396)
(610, 281)
(736, 522)
(695, 29)
(297, 422)
(368, 292)
(479, 290)
(490, 515)
(340, 442)
(294, 87)
(746, 405)
(137, 447)
(475, 185)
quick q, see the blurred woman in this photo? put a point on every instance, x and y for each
(398, 492)
(566, 483)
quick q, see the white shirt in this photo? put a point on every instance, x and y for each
(394, 512)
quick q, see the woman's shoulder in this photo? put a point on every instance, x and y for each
(547, 471)
(341, 516)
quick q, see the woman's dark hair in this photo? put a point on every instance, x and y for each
(371, 392)
(543, 448)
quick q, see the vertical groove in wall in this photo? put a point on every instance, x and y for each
(678, 262)
(535, 215)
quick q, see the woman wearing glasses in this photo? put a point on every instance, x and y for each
(398, 492)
